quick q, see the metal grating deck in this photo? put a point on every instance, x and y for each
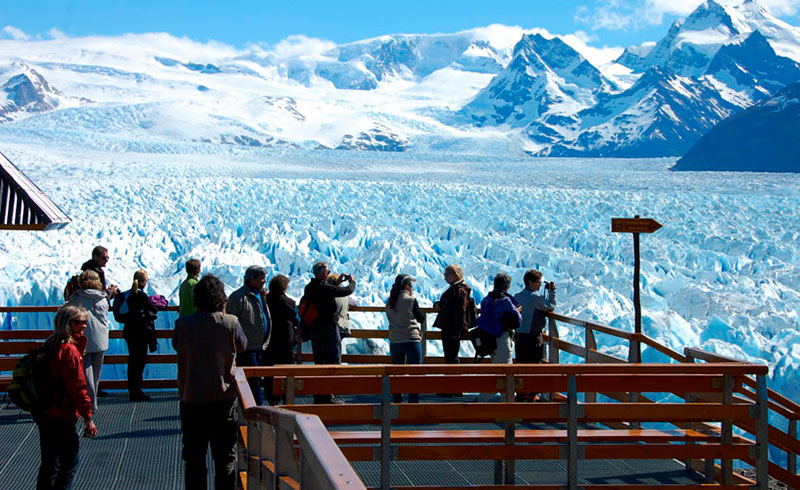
(139, 447)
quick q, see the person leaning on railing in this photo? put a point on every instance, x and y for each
(137, 314)
(326, 341)
(207, 343)
(529, 342)
(57, 437)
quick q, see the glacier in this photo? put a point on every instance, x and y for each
(722, 274)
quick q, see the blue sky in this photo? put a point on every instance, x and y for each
(605, 22)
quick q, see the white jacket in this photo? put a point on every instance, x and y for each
(96, 302)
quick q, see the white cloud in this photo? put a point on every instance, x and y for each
(12, 32)
(56, 34)
(634, 14)
(300, 45)
(782, 7)
(597, 56)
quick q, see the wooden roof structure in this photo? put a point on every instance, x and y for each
(23, 206)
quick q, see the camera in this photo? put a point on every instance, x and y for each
(547, 285)
(344, 278)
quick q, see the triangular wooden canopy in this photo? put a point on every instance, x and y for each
(24, 206)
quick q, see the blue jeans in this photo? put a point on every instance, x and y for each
(406, 353)
(252, 358)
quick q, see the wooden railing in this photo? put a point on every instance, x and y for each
(18, 342)
(512, 443)
(279, 448)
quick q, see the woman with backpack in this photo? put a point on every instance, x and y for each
(58, 439)
(137, 313)
(92, 297)
(405, 321)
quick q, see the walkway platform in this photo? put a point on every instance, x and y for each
(139, 447)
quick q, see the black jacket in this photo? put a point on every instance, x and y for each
(92, 266)
(140, 315)
(284, 321)
(323, 296)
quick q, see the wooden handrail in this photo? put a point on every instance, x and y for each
(326, 463)
(505, 369)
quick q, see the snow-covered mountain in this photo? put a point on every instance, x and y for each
(691, 43)
(523, 90)
(544, 77)
(719, 60)
(762, 138)
(26, 93)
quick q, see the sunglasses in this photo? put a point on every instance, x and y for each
(80, 323)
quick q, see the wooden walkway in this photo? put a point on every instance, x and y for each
(139, 447)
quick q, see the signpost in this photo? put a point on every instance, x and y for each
(635, 225)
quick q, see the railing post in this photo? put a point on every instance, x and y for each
(241, 459)
(791, 457)
(290, 389)
(590, 344)
(762, 442)
(424, 331)
(386, 431)
(634, 350)
(254, 454)
(727, 429)
(572, 433)
(552, 348)
(510, 476)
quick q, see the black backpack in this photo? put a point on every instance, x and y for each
(472, 314)
(32, 387)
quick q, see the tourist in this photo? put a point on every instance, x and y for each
(93, 298)
(500, 316)
(326, 341)
(98, 261)
(134, 310)
(343, 304)
(529, 343)
(58, 439)
(207, 343)
(283, 339)
(451, 318)
(249, 305)
(405, 320)
(186, 291)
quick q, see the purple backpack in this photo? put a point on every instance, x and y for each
(159, 301)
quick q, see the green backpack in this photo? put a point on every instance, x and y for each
(32, 387)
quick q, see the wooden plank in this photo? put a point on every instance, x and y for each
(7, 348)
(665, 370)
(523, 436)
(434, 413)
(649, 383)
(43, 334)
(663, 412)
(662, 348)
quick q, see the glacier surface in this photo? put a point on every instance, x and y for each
(722, 273)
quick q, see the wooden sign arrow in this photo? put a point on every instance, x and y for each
(634, 225)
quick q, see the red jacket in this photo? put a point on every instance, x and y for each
(71, 397)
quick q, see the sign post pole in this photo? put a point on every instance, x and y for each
(635, 226)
